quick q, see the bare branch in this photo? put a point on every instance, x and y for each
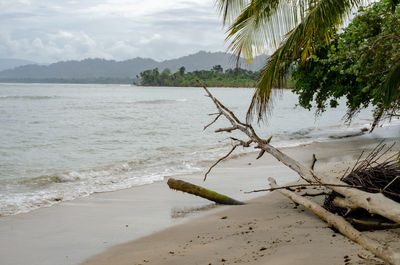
(267, 141)
(327, 185)
(262, 152)
(229, 129)
(219, 160)
(314, 159)
(211, 123)
(396, 178)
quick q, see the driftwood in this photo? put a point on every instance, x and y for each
(374, 203)
(201, 192)
(371, 225)
(384, 252)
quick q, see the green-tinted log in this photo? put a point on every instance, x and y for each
(187, 187)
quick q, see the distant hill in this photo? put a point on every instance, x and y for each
(6, 63)
(110, 71)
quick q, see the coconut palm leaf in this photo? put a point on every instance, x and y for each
(230, 9)
(261, 26)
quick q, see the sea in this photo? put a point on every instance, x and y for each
(59, 142)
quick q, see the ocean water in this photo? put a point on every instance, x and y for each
(60, 142)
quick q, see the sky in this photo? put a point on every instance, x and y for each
(47, 31)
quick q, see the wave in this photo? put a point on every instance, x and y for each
(45, 180)
(5, 97)
(160, 101)
(25, 195)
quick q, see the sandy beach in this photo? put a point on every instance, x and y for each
(128, 226)
(267, 230)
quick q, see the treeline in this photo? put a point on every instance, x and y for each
(98, 80)
(216, 77)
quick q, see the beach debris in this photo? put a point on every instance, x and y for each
(349, 196)
(374, 176)
(384, 252)
(362, 131)
(190, 188)
(224, 217)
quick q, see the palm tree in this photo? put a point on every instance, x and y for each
(292, 27)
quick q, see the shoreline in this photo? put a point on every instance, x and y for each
(73, 231)
(269, 229)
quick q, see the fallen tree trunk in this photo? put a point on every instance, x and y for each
(201, 192)
(375, 203)
(385, 253)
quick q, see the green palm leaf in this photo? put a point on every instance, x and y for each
(230, 9)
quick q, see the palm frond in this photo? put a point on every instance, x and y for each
(318, 25)
(230, 9)
(261, 26)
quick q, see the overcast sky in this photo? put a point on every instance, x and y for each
(46, 31)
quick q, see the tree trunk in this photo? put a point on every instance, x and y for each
(201, 192)
(385, 253)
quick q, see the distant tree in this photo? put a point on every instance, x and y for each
(217, 68)
(182, 70)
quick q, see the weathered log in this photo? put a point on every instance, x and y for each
(344, 203)
(384, 252)
(201, 192)
(363, 223)
(375, 203)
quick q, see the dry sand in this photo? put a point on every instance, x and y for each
(267, 230)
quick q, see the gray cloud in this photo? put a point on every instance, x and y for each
(52, 30)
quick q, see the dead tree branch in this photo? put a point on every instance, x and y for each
(314, 159)
(219, 160)
(211, 123)
(375, 203)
